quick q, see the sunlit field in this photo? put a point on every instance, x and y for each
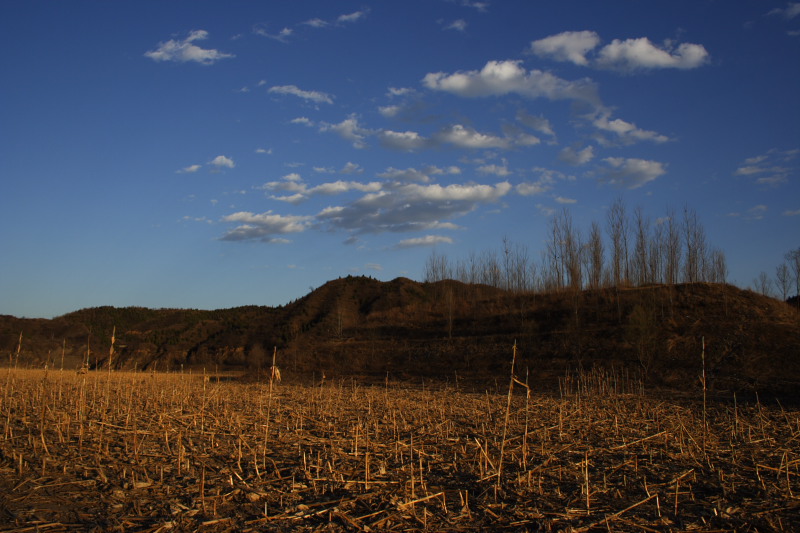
(127, 451)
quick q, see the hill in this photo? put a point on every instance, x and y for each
(444, 330)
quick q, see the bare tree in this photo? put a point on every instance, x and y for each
(672, 249)
(763, 284)
(594, 257)
(640, 270)
(719, 267)
(437, 268)
(695, 243)
(793, 258)
(783, 280)
(656, 254)
(617, 227)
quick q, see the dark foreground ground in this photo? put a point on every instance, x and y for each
(171, 452)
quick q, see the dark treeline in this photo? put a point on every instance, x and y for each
(628, 249)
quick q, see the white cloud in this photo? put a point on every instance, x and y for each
(407, 141)
(626, 132)
(571, 156)
(622, 55)
(631, 173)
(791, 10)
(184, 51)
(190, 169)
(756, 212)
(497, 170)
(427, 240)
(221, 161)
(316, 23)
(350, 130)
(635, 54)
(293, 183)
(563, 200)
(262, 227)
(772, 168)
(351, 168)
(403, 207)
(499, 78)
(352, 17)
(567, 46)
(537, 123)
(407, 175)
(389, 111)
(264, 151)
(791, 213)
(465, 137)
(399, 91)
(458, 25)
(302, 120)
(281, 36)
(314, 96)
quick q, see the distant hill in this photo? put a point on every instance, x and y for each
(362, 326)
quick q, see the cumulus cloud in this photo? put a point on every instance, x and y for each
(407, 141)
(499, 78)
(772, 168)
(497, 170)
(316, 23)
(350, 130)
(563, 200)
(537, 123)
(465, 137)
(791, 10)
(264, 227)
(190, 169)
(405, 200)
(427, 240)
(631, 173)
(222, 161)
(626, 132)
(621, 55)
(404, 207)
(314, 96)
(300, 191)
(575, 157)
(569, 46)
(185, 50)
(636, 54)
(352, 17)
(458, 25)
(281, 36)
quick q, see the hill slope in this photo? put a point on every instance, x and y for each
(363, 326)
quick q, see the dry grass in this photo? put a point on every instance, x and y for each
(177, 452)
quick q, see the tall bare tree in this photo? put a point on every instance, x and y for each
(594, 257)
(640, 270)
(672, 249)
(763, 284)
(783, 280)
(695, 243)
(793, 258)
(617, 228)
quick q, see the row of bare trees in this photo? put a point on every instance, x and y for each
(635, 251)
(787, 278)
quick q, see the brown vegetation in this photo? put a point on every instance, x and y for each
(176, 452)
(445, 330)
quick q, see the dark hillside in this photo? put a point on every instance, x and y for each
(362, 326)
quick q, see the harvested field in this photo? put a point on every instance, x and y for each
(177, 452)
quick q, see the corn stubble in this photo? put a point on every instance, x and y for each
(179, 452)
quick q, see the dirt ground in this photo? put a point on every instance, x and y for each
(177, 452)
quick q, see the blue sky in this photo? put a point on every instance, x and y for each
(210, 154)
